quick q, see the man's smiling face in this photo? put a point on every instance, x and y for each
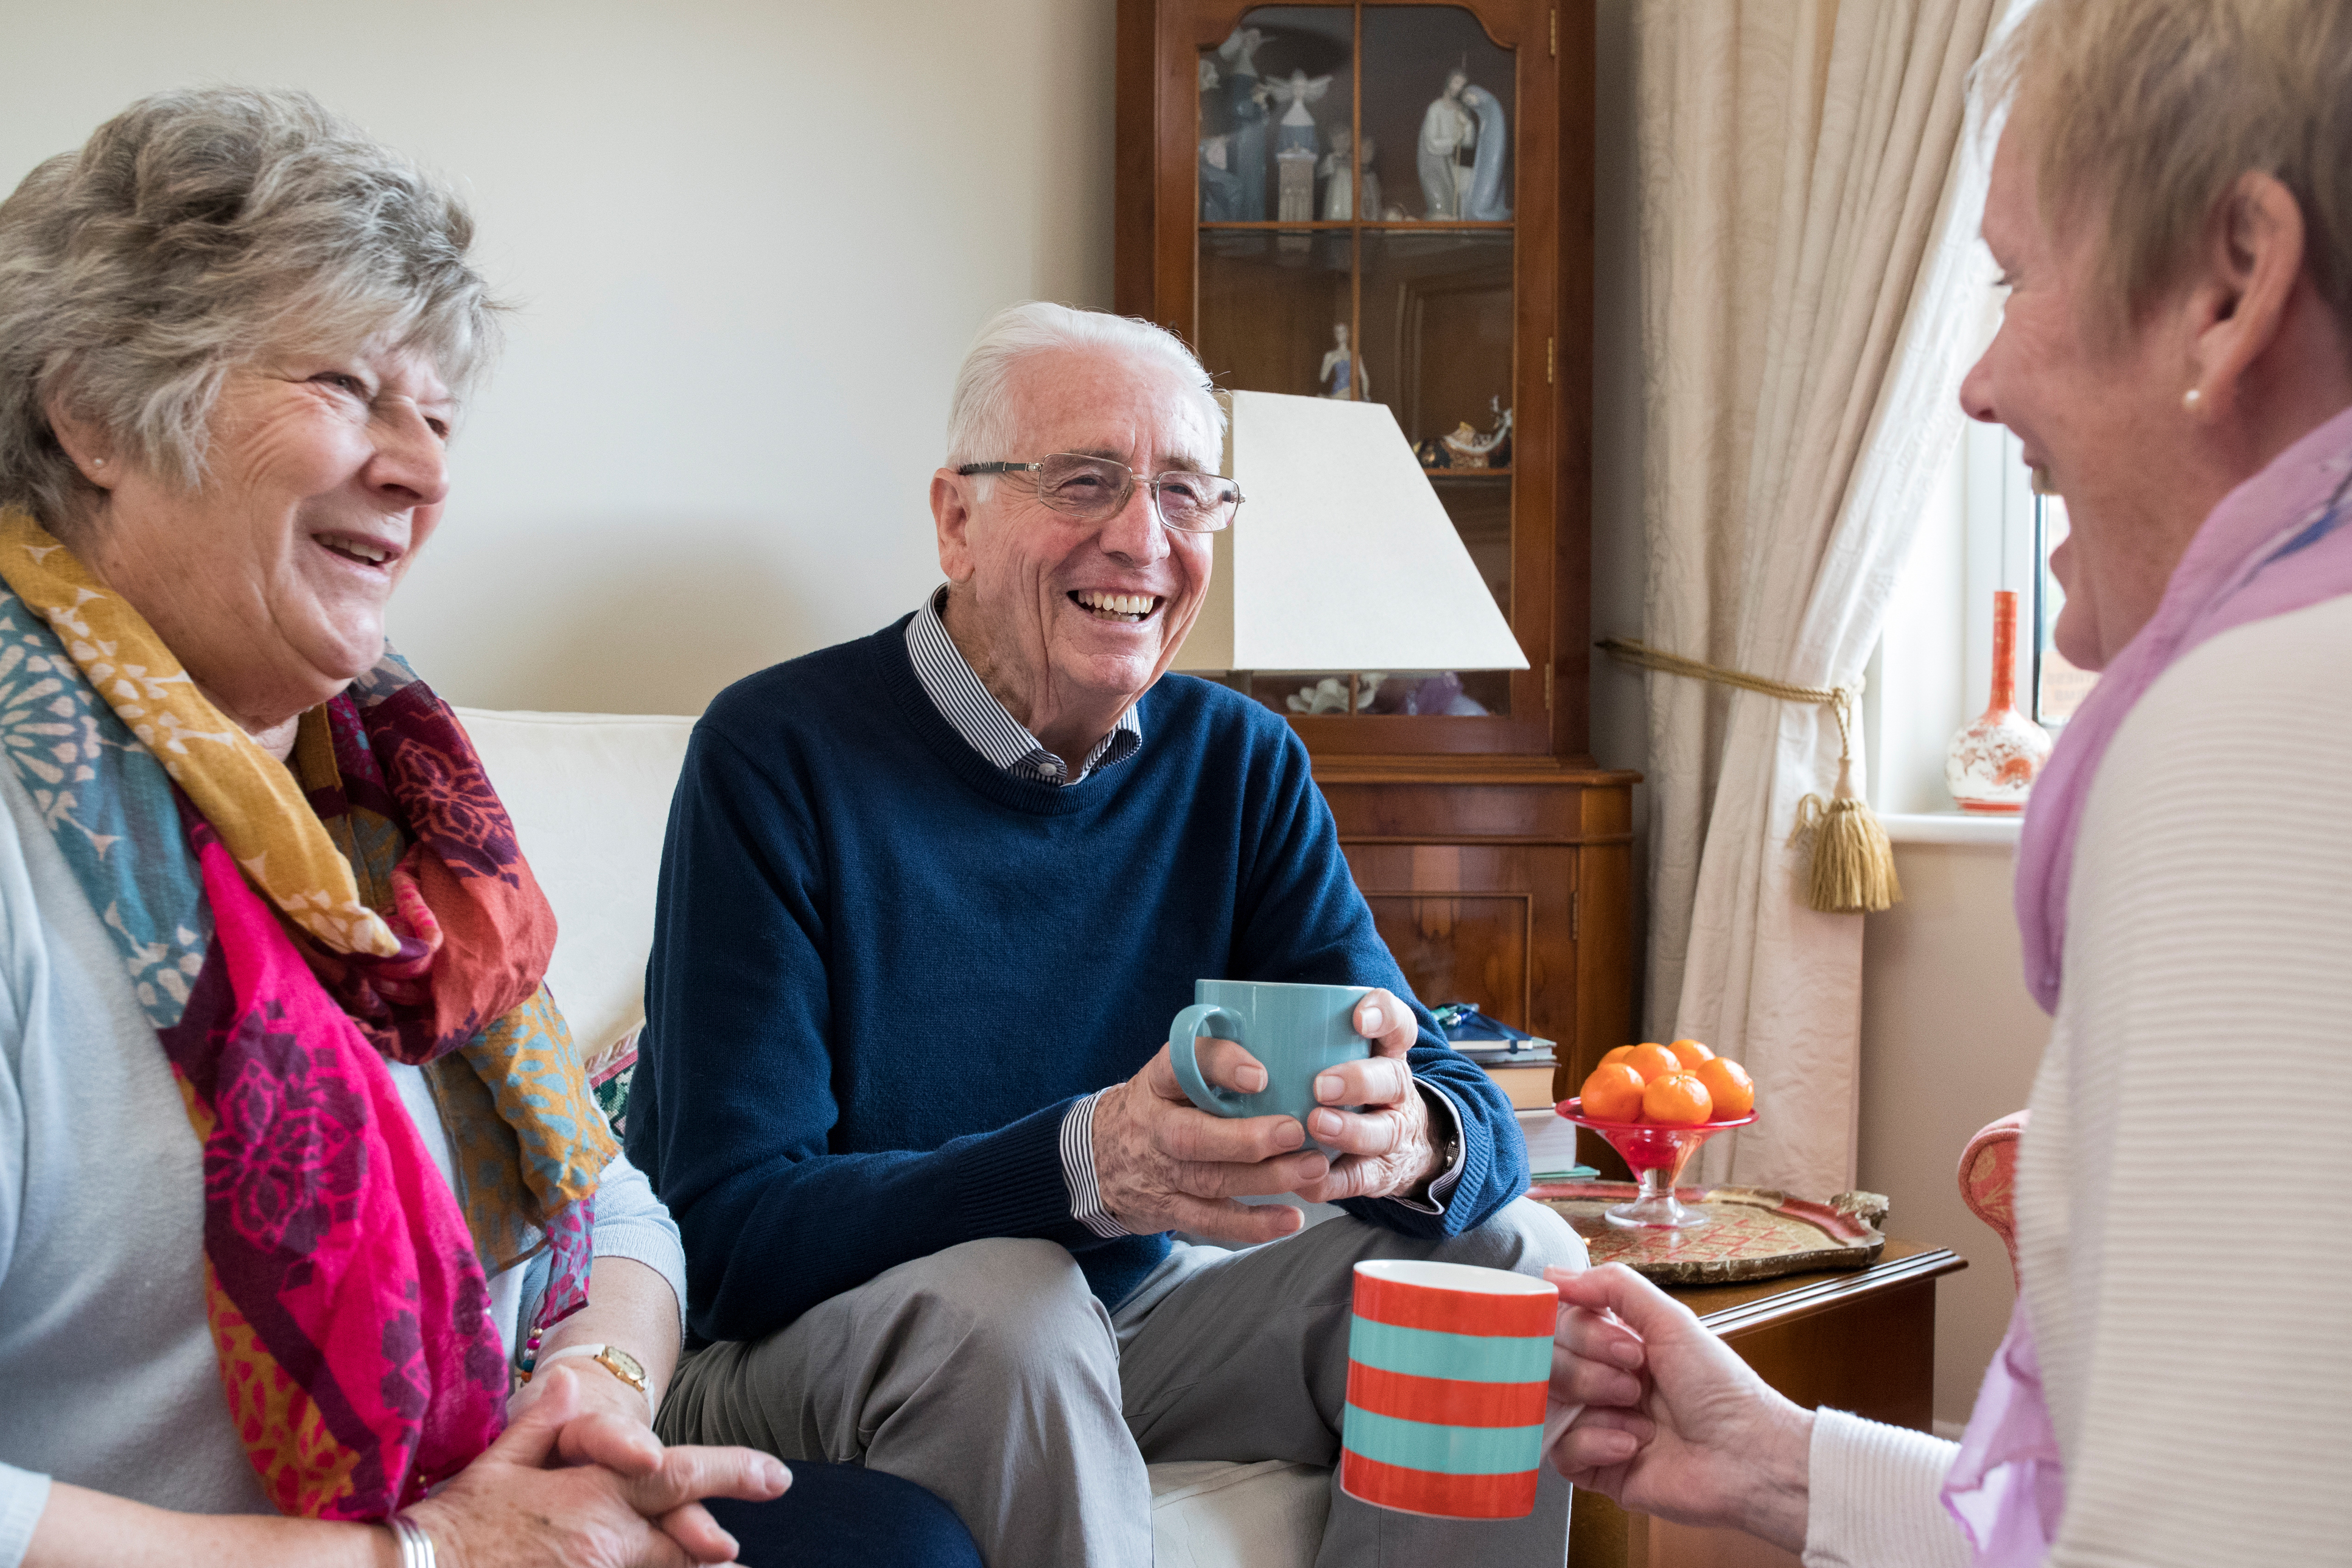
(1067, 621)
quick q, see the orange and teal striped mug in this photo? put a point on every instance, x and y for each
(1446, 1370)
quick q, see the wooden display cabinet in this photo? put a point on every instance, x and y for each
(1455, 253)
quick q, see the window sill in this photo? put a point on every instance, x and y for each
(1951, 827)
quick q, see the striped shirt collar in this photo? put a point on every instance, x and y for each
(984, 721)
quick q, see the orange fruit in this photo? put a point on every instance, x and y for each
(1612, 1093)
(1618, 1055)
(1727, 1083)
(1690, 1053)
(1678, 1100)
(1652, 1062)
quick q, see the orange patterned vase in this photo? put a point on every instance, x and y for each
(1991, 764)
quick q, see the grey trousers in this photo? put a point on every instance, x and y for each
(990, 1375)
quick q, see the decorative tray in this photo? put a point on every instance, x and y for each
(1753, 1233)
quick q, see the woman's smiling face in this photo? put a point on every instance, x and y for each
(324, 476)
(2103, 419)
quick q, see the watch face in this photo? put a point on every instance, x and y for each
(630, 1370)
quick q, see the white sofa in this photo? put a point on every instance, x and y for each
(590, 796)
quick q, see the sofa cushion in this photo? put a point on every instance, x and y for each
(1211, 1513)
(590, 793)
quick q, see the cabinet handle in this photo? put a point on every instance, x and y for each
(1555, 32)
(1549, 344)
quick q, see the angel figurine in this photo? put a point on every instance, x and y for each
(1295, 133)
(1295, 146)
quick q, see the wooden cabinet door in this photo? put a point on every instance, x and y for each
(1503, 890)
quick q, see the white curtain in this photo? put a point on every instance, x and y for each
(1808, 211)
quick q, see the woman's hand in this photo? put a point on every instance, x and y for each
(1674, 1423)
(600, 1393)
(615, 1497)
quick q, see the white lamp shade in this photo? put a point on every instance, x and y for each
(1342, 556)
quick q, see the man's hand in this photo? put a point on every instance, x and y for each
(1163, 1163)
(1385, 1149)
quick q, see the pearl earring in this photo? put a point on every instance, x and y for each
(98, 462)
(2192, 398)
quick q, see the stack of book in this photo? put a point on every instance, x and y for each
(1522, 1065)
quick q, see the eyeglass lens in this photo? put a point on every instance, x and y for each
(1096, 488)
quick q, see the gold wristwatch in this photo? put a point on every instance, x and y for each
(611, 1358)
(622, 1365)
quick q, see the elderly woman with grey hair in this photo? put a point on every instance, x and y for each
(309, 1223)
(2171, 209)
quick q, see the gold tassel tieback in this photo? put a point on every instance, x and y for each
(1853, 865)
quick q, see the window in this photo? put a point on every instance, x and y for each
(1984, 529)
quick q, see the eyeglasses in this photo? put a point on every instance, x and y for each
(1096, 489)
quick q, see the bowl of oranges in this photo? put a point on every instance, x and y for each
(1655, 1105)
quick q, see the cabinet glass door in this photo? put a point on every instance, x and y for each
(1355, 239)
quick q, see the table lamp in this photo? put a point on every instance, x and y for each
(1342, 557)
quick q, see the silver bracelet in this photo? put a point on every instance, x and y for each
(416, 1546)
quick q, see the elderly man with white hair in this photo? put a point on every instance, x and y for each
(928, 901)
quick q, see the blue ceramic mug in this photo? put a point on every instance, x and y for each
(1295, 1032)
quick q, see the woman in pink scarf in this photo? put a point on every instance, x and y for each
(2171, 207)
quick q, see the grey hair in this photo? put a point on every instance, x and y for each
(982, 422)
(2142, 114)
(198, 231)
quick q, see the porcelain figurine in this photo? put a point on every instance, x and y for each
(1245, 107)
(1339, 192)
(1339, 189)
(1221, 188)
(1295, 133)
(1489, 200)
(1466, 448)
(1446, 131)
(1340, 364)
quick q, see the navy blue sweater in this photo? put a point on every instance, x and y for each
(882, 970)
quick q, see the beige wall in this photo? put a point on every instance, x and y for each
(1950, 1040)
(749, 240)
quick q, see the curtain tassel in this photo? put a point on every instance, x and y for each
(1853, 865)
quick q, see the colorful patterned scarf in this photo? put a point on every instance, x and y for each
(286, 940)
(2277, 543)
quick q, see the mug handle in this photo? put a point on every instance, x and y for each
(1184, 1055)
